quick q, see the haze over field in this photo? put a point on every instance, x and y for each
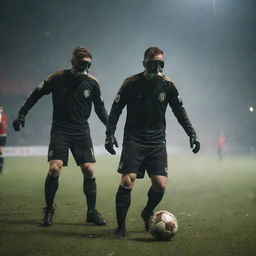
(209, 47)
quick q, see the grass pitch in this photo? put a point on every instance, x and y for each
(214, 202)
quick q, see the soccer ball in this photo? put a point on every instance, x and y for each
(163, 225)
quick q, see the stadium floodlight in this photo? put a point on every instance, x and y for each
(251, 109)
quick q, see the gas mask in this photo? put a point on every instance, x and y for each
(154, 68)
(82, 66)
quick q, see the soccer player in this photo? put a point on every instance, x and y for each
(221, 143)
(146, 96)
(3, 137)
(73, 92)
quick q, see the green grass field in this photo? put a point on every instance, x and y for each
(214, 202)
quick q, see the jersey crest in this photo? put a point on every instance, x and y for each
(87, 93)
(162, 96)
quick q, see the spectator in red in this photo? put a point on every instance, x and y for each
(221, 143)
(3, 137)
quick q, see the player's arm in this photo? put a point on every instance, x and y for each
(99, 105)
(180, 113)
(42, 89)
(115, 112)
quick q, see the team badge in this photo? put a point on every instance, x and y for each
(162, 96)
(87, 93)
(118, 97)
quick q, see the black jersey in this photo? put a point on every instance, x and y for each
(72, 98)
(146, 102)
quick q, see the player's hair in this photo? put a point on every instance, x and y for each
(80, 52)
(152, 51)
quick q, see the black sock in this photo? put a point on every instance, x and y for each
(123, 201)
(154, 198)
(51, 186)
(90, 191)
(1, 163)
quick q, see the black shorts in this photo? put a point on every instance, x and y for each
(80, 146)
(136, 158)
(3, 140)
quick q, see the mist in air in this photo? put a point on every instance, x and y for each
(209, 49)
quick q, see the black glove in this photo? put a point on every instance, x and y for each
(110, 141)
(18, 122)
(194, 143)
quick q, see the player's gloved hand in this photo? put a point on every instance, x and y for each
(194, 143)
(110, 141)
(18, 122)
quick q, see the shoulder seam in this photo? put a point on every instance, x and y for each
(166, 78)
(130, 79)
(93, 77)
(55, 74)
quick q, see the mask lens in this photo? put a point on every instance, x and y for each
(88, 64)
(83, 65)
(153, 65)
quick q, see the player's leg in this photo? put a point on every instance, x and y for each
(123, 201)
(89, 185)
(51, 187)
(82, 150)
(2, 145)
(129, 165)
(90, 191)
(57, 157)
(1, 159)
(156, 165)
(155, 195)
(52, 181)
(219, 153)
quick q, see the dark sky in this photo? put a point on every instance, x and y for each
(209, 47)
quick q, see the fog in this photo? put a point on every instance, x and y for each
(209, 50)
